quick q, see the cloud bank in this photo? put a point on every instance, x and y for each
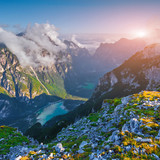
(73, 39)
(39, 45)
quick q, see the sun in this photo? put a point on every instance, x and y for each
(141, 34)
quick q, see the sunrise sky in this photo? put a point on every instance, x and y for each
(82, 16)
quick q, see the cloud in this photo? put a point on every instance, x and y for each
(73, 39)
(39, 45)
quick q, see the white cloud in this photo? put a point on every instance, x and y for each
(38, 40)
(73, 39)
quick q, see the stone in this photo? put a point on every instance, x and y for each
(18, 158)
(156, 156)
(80, 150)
(134, 125)
(125, 100)
(114, 137)
(84, 143)
(59, 148)
(107, 147)
(91, 156)
(144, 140)
(128, 148)
(94, 145)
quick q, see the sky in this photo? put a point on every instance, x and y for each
(81, 16)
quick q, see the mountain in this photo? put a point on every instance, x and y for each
(19, 81)
(124, 128)
(81, 79)
(26, 89)
(140, 72)
(111, 55)
(63, 78)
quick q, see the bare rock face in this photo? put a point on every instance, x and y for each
(19, 81)
(140, 72)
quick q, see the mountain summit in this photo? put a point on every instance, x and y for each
(110, 55)
(140, 72)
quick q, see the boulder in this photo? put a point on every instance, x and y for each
(143, 140)
(59, 148)
(84, 143)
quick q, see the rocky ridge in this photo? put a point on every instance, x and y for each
(127, 127)
(140, 72)
(111, 55)
(18, 81)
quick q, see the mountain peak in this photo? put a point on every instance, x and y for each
(152, 50)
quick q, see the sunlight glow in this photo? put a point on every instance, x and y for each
(141, 34)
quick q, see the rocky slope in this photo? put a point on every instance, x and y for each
(111, 55)
(140, 72)
(123, 128)
(18, 81)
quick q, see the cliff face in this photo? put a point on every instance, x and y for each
(19, 81)
(140, 72)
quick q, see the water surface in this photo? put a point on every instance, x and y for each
(50, 111)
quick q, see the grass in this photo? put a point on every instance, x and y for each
(11, 138)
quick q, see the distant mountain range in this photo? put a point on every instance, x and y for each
(107, 126)
(111, 55)
(19, 81)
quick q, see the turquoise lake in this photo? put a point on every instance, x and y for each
(50, 111)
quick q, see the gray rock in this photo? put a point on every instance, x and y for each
(84, 143)
(134, 125)
(107, 147)
(114, 137)
(59, 148)
(144, 140)
(81, 151)
(128, 148)
(94, 145)
(156, 156)
(1, 139)
(91, 156)
(125, 100)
